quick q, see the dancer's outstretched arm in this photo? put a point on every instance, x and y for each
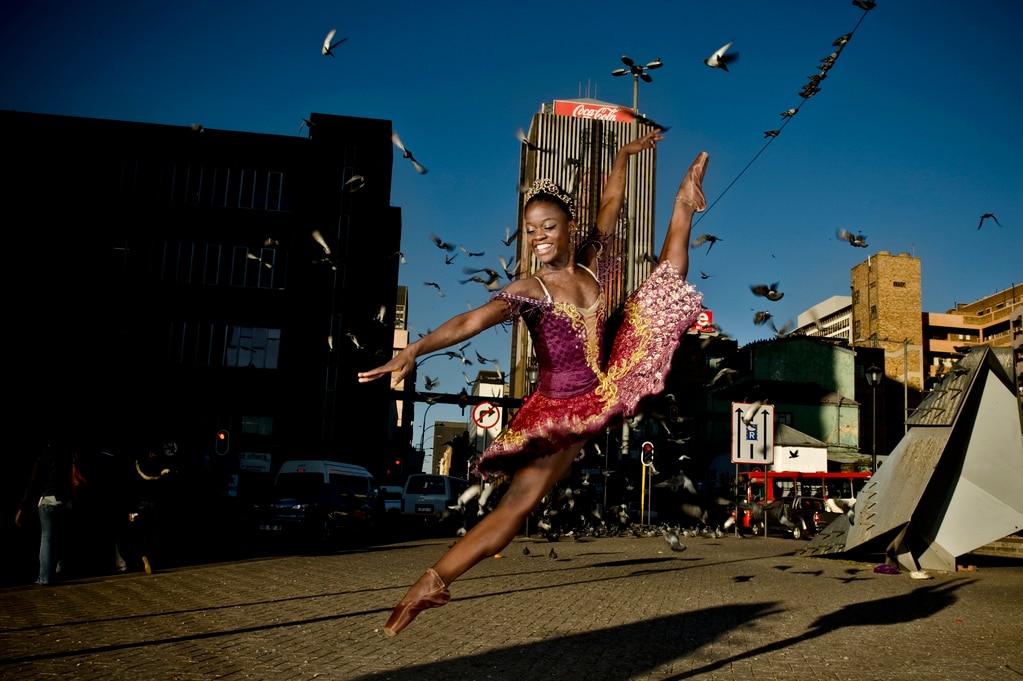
(455, 330)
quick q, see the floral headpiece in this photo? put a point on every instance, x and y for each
(547, 186)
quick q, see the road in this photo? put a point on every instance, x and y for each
(608, 608)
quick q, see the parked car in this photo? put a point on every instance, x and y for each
(430, 495)
(800, 516)
(322, 503)
(391, 496)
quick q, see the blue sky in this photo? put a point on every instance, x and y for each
(914, 134)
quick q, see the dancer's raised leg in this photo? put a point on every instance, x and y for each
(494, 532)
(689, 199)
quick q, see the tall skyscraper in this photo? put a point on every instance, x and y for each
(574, 143)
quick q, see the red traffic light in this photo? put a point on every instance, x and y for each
(646, 457)
(222, 442)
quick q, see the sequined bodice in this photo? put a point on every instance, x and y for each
(567, 341)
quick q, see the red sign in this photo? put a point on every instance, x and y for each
(704, 322)
(598, 112)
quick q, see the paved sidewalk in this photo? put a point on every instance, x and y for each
(616, 608)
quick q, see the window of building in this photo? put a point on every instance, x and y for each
(211, 265)
(899, 284)
(856, 296)
(274, 189)
(873, 311)
(258, 425)
(252, 347)
(783, 417)
(857, 325)
(246, 188)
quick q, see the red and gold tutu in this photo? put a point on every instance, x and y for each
(655, 317)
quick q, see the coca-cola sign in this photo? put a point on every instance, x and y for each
(597, 112)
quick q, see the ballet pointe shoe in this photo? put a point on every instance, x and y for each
(690, 192)
(429, 592)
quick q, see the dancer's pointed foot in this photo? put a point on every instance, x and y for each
(429, 592)
(690, 192)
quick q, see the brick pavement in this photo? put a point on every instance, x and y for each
(610, 608)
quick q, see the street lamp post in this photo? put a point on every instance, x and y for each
(638, 71)
(873, 375)
(422, 435)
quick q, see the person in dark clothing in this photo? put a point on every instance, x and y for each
(49, 492)
(154, 474)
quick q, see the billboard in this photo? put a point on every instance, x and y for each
(596, 111)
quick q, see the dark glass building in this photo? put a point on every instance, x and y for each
(171, 282)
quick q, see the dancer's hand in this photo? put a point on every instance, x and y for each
(644, 143)
(399, 367)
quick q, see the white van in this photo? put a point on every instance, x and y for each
(323, 501)
(430, 495)
(354, 478)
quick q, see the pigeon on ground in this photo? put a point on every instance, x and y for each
(673, 541)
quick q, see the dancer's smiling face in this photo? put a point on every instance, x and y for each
(548, 229)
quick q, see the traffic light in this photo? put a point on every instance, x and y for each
(646, 455)
(222, 443)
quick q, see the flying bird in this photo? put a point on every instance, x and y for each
(355, 183)
(405, 153)
(721, 60)
(481, 359)
(783, 331)
(510, 271)
(725, 372)
(521, 134)
(436, 286)
(761, 317)
(469, 253)
(985, 216)
(705, 238)
(751, 411)
(643, 120)
(430, 383)
(704, 275)
(770, 292)
(320, 240)
(443, 245)
(306, 123)
(328, 46)
(490, 284)
(858, 240)
(509, 236)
